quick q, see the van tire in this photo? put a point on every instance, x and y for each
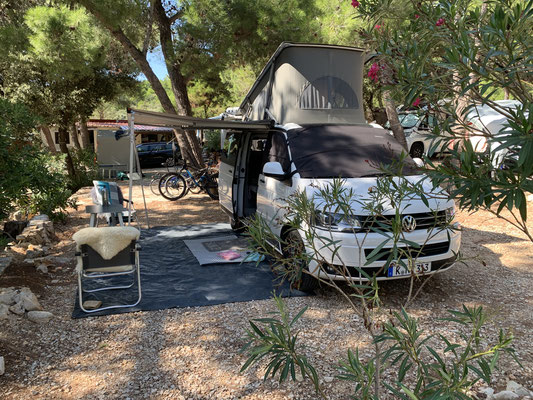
(236, 225)
(292, 240)
(417, 150)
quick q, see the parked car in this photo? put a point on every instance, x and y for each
(157, 154)
(418, 133)
(322, 136)
(486, 119)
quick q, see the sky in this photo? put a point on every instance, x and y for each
(155, 58)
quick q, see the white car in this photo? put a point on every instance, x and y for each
(486, 119)
(261, 169)
(418, 133)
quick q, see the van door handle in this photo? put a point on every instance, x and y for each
(262, 180)
(230, 171)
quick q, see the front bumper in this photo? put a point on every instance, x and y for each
(350, 251)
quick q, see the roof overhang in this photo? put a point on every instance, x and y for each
(154, 118)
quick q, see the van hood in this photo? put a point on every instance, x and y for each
(437, 197)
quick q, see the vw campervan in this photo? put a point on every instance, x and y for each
(312, 96)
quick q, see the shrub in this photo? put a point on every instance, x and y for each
(30, 179)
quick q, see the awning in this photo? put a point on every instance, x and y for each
(154, 118)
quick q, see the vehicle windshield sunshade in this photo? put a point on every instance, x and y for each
(344, 151)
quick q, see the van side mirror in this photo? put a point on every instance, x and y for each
(274, 170)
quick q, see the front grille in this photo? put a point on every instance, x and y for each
(381, 272)
(425, 220)
(428, 250)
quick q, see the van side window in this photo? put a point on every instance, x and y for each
(230, 149)
(276, 150)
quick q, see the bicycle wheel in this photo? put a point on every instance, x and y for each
(211, 186)
(154, 184)
(172, 186)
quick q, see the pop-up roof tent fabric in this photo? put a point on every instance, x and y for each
(309, 84)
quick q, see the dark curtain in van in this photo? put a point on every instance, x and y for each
(343, 151)
(276, 150)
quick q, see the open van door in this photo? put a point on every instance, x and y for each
(227, 176)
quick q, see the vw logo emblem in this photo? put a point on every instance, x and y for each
(408, 223)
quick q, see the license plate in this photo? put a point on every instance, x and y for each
(399, 270)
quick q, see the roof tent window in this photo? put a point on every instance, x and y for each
(326, 93)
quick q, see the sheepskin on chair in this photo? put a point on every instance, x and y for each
(107, 241)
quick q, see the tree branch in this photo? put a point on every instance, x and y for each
(146, 42)
(176, 16)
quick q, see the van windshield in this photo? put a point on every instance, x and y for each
(344, 151)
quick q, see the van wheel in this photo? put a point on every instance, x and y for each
(417, 150)
(236, 225)
(294, 246)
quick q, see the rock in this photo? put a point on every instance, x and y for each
(328, 379)
(17, 309)
(487, 391)
(517, 388)
(4, 263)
(34, 251)
(2, 366)
(4, 311)
(42, 268)
(40, 317)
(505, 395)
(40, 217)
(28, 300)
(7, 296)
(92, 304)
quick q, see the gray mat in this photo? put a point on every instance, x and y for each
(172, 277)
(210, 250)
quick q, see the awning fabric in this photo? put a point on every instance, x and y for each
(154, 118)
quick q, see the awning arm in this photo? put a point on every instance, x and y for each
(154, 118)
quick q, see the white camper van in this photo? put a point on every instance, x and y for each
(313, 96)
(304, 126)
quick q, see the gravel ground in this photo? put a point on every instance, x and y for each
(192, 353)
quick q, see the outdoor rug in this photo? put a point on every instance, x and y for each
(172, 277)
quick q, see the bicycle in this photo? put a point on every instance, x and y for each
(156, 178)
(175, 185)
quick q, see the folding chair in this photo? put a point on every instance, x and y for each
(108, 194)
(104, 254)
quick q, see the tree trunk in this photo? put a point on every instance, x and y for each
(63, 136)
(85, 135)
(177, 80)
(186, 140)
(49, 140)
(73, 130)
(392, 115)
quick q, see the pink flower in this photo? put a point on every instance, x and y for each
(440, 22)
(416, 102)
(377, 27)
(373, 72)
(417, 16)
(355, 4)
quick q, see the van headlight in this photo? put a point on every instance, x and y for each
(336, 222)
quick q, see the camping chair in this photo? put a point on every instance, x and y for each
(108, 194)
(104, 254)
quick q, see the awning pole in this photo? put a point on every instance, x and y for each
(132, 150)
(142, 184)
